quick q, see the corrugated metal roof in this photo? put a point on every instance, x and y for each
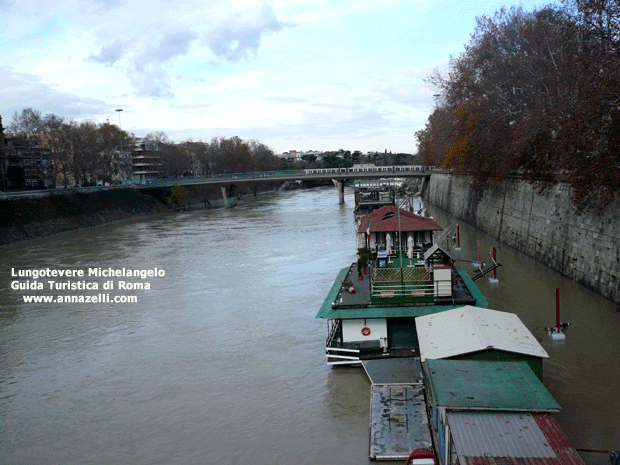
(501, 434)
(566, 452)
(482, 438)
(481, 385)
(471, 329)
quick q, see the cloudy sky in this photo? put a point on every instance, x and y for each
(294, 74)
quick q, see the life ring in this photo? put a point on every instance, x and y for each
(365, 331)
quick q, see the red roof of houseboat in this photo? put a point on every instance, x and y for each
(387, 219)
(510, 438)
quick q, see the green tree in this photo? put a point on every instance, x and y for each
(309, 158)
(179, 196)
(332, 160)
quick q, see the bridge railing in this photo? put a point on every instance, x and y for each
(226, 176)
(281, 174)
(297, 174)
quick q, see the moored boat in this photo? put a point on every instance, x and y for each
(401, 274)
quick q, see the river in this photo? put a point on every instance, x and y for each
(221, 361)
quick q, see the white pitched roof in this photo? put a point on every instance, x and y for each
(471, 329)
(434, 249)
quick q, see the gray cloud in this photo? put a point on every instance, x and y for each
(150, 80)
(20, 90)
(109, 54)
(169, 44)
(146, 57)
(238, 35)
(147, 73)
(145, 61)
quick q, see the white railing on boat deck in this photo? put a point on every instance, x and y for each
(441, 288)
(342, 356)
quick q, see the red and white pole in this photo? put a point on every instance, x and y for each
(557, 334)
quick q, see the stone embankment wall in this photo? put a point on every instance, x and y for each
(542, 225)
(30, 218)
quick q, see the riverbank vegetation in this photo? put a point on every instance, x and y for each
(535, 93)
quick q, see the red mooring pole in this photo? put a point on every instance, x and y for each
(458, 236)
(494, 263)
(557, 308)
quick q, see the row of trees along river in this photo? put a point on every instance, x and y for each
(535, 92)
(85, 152)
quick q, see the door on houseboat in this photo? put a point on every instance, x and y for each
(402, 333)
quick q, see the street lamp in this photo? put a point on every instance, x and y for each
(119, 117)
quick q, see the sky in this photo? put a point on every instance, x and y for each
(293, 74)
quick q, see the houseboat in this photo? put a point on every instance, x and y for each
(485, 399)
(452, 382)
(483, 412)
(373, 194)
(401, 274)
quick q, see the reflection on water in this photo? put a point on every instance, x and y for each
(222, 360)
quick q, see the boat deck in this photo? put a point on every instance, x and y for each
(398, 420)
(362, 298)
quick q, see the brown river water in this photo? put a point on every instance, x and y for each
(221, 360)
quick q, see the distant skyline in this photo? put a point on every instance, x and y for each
(293, 74)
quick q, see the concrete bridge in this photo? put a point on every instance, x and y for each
(339, 176)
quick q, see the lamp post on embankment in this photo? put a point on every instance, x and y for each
(118, 110)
